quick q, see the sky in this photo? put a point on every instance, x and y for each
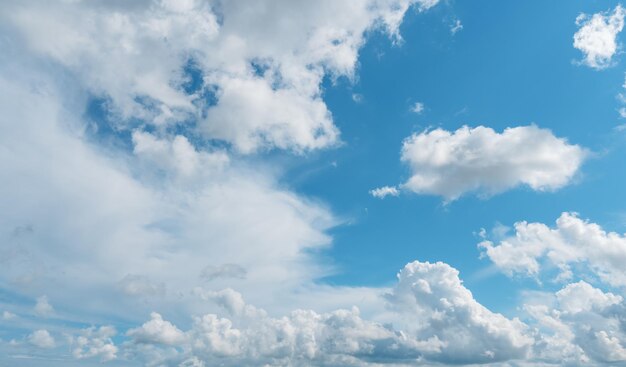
(200, 183)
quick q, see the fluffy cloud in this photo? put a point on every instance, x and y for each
(596, 38)
(573, 242)
(42, 339)
(434, 318)
(43, 307)
(384, 191)
(95, 342)
(450, 164)
(247, 74)
(433, 303)
(582, 325)
(157, 331)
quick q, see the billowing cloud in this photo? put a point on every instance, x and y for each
(573, 243)
(480, 159)
(434, 318)
(248, 75)
(433, 303)
(581, 326)
(596, 38)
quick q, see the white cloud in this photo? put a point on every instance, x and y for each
(450, 164)
(434, 319)
(139, 213)
(43, 307)
(263, 64)
(432, 302)
(95, 342)
(573, 242)
(42, 339)
(456, 27)
(579, 326)
(157, 331)
(418, 108)
(596, 38)
(384, 191)
(6, 315)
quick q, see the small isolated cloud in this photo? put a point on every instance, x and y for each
(450, 164)
(6, 315)
(456, 27)
(213, 272)
(596, 38)
(573, 244)
(580, 326)
(384, 191)
(418, 108)
(433, 319)
(43, 307)
(41, 339)
(357, 97)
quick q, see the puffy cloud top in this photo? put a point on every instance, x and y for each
(450, 164)
(573, 242)
(597, 35)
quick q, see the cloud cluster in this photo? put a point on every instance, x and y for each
(581, 325)
(246, 74)
(450, 164)
(596, 38)
(435, 318)
(95, 343)
(573, 244)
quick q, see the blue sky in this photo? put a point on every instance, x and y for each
(192, 183)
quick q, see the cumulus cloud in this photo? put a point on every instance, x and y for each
(582, 325)
(42, 339)
(95, 342)
(249, 75)
(480, 159)
(572, 243)
(384, 191)
(43, 307)
(434, 319)
(596, 38)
